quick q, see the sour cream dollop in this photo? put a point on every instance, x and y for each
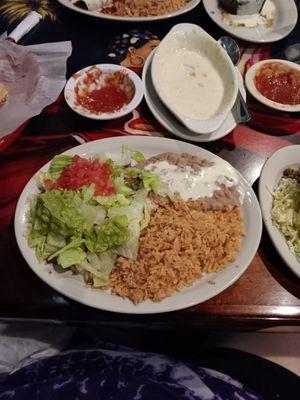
(191, 184)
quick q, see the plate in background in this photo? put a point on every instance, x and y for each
(285, 21)
(188, 7)
(270, 175)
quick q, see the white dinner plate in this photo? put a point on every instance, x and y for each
(167, 119)
(188, 7)
(73, 286)
(285, 21)
(270, 175)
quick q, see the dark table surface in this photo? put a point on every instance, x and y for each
(267, 295)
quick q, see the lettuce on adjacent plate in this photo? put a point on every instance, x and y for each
(286, 212)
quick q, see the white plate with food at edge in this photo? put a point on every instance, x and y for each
(203, 289)
(167, 119)
(190, 5)
(285, 20)
(287, 157)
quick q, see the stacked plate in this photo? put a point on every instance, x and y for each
(192, 38)
(279, 19)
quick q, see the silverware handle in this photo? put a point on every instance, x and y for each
(240, 110)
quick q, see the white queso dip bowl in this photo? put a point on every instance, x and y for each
(195, 78)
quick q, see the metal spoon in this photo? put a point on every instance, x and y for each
(240, 110)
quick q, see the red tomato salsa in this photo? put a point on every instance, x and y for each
(83, 172)
(278, 82)
(104, 91)
(107, 99)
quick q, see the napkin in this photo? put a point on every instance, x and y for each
(35, 76)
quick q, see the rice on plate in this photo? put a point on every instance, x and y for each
(143, 8)
(142, 228)
(133, 8)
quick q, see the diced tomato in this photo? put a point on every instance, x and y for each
(83, 172)
(278, 82)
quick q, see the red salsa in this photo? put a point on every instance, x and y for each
(107, 99)
(104, 92)
(83, 172)
(278, 82)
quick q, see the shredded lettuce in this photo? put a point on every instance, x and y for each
(150, 180)
(93, 214)
(131, 247)
(63, 227)
(129, 155)
(134, 210)
(74, 243)
(286, 212)
(54, 217)
(132, 172)
(40, 179)
(42, 249)
(87, 193)
(88, 232)
(59, 212)
(116, 200)
(58, 164)
(115, 169)
(113, 232)
(134, 213)
(148, 207)
(101, 157)
(71, 256)
(100, 266)
(122, 187)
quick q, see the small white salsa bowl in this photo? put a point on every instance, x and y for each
(249, 80)
(71, 97)
(214, 73)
